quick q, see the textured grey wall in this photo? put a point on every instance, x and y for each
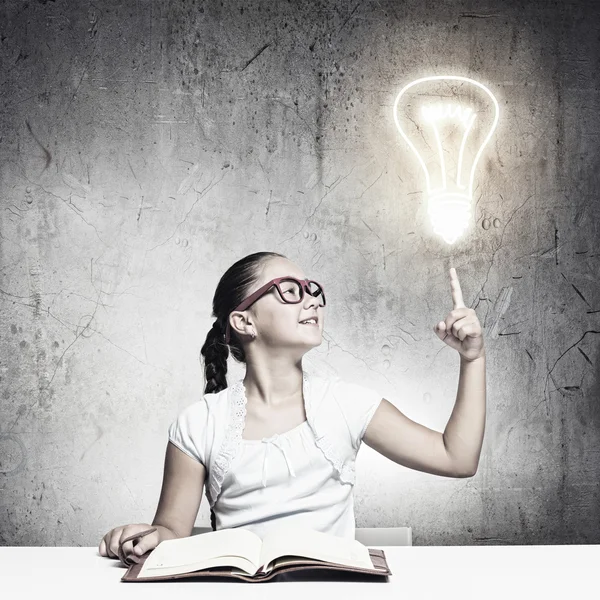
(145, 147)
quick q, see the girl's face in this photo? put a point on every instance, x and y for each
(277, 323)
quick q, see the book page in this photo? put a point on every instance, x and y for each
(288, 541)
(284, 561)
(219, 547)
(235, 564)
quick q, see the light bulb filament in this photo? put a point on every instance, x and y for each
(440, 111)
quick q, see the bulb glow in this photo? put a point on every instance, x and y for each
(447, 121)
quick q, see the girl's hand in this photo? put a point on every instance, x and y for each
(110, 545)
(461, 329)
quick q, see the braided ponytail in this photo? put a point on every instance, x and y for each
(215, 354)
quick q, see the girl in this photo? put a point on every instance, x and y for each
(279, 446)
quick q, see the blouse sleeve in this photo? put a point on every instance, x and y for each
(188, 431)
(358, 404)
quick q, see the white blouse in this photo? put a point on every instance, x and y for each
(303, 477)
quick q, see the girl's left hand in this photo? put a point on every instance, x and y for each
(461, 329)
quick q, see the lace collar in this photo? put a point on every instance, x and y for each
(236, 398)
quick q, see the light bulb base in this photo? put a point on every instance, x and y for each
(450, 214)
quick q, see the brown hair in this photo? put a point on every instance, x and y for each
(234, 287)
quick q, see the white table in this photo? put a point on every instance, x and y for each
(432, 572)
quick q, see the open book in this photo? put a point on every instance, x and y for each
(241, 554)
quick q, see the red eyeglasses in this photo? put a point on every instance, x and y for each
(291, 291)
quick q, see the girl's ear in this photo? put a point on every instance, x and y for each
(242, 322)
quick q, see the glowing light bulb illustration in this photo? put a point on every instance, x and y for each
(447, 121)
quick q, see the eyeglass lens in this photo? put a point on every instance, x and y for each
(291, 291)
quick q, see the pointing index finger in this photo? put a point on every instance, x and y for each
(457, 298)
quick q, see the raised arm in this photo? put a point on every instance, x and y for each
(410, 444)
(454, 453)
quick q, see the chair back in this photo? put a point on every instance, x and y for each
(197, 530)
(384, 536)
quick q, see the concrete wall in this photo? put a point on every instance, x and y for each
(146, 146)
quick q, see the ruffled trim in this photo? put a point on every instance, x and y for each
(233, 439)
(328, 446)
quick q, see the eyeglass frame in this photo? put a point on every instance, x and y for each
(252, 298)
